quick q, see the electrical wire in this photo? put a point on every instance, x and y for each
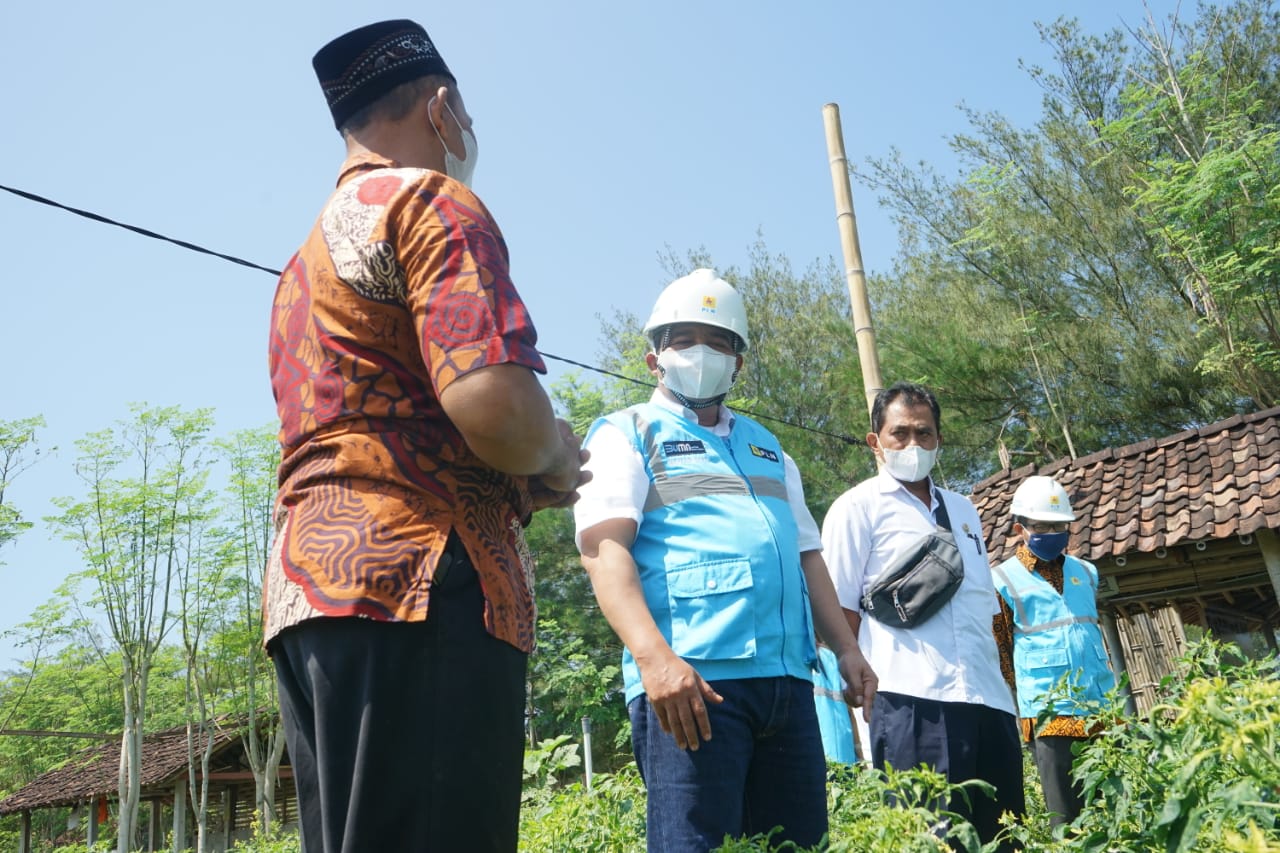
(194, 247)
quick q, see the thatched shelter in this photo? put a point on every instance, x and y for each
(87, 783)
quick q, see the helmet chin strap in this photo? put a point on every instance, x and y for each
(698, 404)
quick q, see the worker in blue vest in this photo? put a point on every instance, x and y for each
(708, 566)
(1047, 631)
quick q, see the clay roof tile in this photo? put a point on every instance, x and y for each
(1215, 481)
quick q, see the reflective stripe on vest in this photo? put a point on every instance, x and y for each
(1020, 625)
(667, 489)
(1065, 641)
(717, 550)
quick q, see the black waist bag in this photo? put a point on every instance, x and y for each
(920, 581)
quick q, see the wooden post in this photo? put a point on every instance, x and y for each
(24, 839)
(1269, 545)
(1110, 633)
(179, 815)
(153, 824)
(855, 276)
(586, 750)
(229, 799)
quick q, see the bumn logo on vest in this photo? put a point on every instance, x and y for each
(763, 453)
(682, 448)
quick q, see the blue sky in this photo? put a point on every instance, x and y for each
(608, 132)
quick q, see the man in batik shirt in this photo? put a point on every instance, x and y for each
(1050, 640)
(416, 444)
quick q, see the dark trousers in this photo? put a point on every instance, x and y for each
(405, 736)
(762, 768)
(960, 740)
(1054, 760)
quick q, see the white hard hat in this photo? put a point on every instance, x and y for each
(700, 297)
(1042, 499)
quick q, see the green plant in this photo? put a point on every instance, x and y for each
(273, 840)
(1201, 772)
(546, 765)
(608, 819)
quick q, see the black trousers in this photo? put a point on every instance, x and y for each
(1053, 760)
(961, 741)
(405, 736)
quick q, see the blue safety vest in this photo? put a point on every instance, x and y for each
(1055, 635)
(717, 549)
(838, 740)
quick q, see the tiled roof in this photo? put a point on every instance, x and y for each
(94, 772)
(1210, 483)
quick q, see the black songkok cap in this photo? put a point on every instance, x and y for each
(361, 66)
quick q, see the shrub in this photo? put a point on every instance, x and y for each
(1200, 773)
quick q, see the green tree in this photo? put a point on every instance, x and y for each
(203, 598)
(801, 379)
(1199, 141)
(18, 447)
(68, 689)
(249, 679)
(1038, 293)
(145, 500)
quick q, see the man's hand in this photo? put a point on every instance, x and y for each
(545, 493)
(859, 680)
(679, 698)
(565, 473)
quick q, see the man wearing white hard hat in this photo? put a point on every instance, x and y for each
(1048, 631)
(708, 566)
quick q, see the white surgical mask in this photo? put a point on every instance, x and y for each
(697, 372)
(460, 170)
(910, 465)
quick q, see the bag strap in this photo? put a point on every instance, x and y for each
(940, 514)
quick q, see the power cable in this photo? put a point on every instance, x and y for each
(134, 228)
(145, 232)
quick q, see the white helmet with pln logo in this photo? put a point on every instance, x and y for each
(1042, 499)
(699, 297)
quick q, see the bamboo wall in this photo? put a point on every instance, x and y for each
(1153, 639)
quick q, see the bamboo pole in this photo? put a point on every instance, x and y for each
(863, 331)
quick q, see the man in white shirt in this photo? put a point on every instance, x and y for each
(942, 700)
(707, 564)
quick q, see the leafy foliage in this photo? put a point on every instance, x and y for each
(18, 446)
(1110, 273)
(1201, 772)
(609, 818)
(1199, 142)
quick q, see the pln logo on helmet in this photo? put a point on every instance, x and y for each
(708, 304)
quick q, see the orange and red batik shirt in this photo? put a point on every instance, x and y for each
(401, 288)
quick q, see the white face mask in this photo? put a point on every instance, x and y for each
(460, 170)
(910, 465)
(697, 372)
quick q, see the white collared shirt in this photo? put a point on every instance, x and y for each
(950, 657)
(620, 483)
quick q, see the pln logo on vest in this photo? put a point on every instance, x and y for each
(763, 453)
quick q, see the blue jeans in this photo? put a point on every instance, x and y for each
(762, 768)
